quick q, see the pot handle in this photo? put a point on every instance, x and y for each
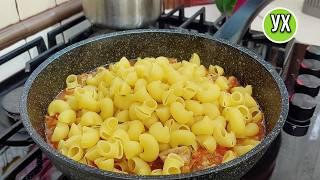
(237, 25)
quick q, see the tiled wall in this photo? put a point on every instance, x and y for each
(13, 11)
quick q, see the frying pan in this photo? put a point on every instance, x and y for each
(269, 90)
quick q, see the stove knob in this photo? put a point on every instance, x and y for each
(295, 127)
(310, 66)
(307, 84)
(301, 106)
(313, 52)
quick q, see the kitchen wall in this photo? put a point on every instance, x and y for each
(13, 11)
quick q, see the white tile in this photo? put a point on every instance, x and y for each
(43, 34)
(75, 29)
(14, 65)
(61, 1)
(8, 13)
(28, 8)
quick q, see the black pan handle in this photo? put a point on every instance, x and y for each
(237, 25)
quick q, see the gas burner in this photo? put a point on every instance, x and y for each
(10, 103)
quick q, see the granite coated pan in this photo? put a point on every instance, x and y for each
(48, 79)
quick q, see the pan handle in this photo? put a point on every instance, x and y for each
(237, 25)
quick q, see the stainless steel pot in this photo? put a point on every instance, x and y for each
(122, 14)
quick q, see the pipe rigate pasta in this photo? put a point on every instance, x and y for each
(154, 116)
(150, 147)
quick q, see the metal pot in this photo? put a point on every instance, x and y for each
(122, 14)
(269, 90)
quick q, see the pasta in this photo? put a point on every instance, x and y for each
(154, 116)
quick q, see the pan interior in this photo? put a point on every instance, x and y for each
(108, 50)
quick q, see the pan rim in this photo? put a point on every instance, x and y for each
(214, 170)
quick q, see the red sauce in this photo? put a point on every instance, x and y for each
(157, 164)
(262, 130)
(233, 81)
(202, 159)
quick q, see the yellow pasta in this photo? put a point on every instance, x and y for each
(105, 164)
(163, 112)
(121, 134)
(73, 102)
(145, 110)
(72, 81)
(180, 114)
(251, 129)
(203, 127)
(224, 138)
(256, 114)
(139, 166)
(156, 73)
(208, 94)
(149, 116)
(190, 90)
(57, 106)
(60, 132)
(222, 82)
(219, 121)
(164, 146)
(211, 110)
(236, 98)
(241, 150)
(243, 90)
(172, 164)
(122, 102)
(135, 129)
(236, 120)
(160, 132)
(131, 149)
(90, 119)
(182, 137)
(106, 106)
(249, 101)
(141, 95)
(178, 88)
(216, 70)
(68, 116)
(75, 152)
(156, 90)
(225, 99)
(72, 141)
(124, 126)
(150, 121)
(245, 112)
(195, 107)
(228, 156)
(108, 127)
(75, 130)
(90, 137)
(92, 153)
(168, 97)
(207, 142)
(122, 116)
(110, 149)
(150, 147)
(195, 59)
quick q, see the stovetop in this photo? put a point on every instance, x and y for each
(289, 157)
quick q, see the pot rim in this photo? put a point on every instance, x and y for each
(213, 170)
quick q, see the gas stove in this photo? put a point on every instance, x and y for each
(20, 158)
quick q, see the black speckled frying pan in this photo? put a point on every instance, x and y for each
(49, 78)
